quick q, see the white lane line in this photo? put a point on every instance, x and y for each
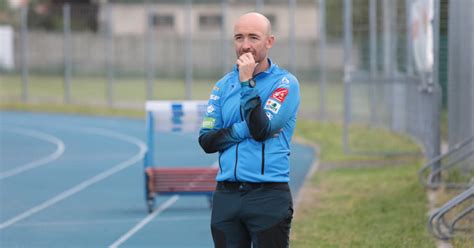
(109, 221)
(60, 148)
(99, 177)
(145, 221)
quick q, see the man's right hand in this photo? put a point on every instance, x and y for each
(247, 66)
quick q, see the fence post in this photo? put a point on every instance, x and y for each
(321, 12)
(224, 46)
(24, 53)
(259, 5)
(109, 55)
(408, 40)
(189, 49)
(398, 86)
(388, 62)
(373, 61)
(292, 36)
(150, 53)
(436, 94)
(347, 72)
(67, 52)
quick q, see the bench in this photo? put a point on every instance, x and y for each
(183, 180)
(181, 117)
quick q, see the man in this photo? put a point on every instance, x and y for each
(250, 119)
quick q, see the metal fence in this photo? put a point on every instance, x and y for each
(460, 71)
(359, 62)
(355, 59)
(180, 45)
(393, 83)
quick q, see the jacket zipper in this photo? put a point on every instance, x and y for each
(236, 160)
(263, 158)
(219, 160)
(237, 150)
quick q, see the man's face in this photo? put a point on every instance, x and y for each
(251, 35)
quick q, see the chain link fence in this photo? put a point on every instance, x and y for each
(460, 71)
(356, 59)
(162, 50)
(391, 83)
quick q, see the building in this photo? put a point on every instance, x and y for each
(207, 18)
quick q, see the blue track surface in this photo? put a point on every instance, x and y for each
(76, 181)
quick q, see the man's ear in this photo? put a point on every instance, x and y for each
(270, 41)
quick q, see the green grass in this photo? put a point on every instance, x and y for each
(94, 89)
(364, 207)
(464, 241)
(461, 239)
(74, 109)
(132, 92)
(362, 138)
(381, 206)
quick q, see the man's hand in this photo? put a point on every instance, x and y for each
(247, 66)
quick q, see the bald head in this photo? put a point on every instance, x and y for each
(255, 20)
(252, 34)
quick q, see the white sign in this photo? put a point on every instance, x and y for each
(422, 13)
(6, 47)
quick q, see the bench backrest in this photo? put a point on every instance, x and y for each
(181, 179)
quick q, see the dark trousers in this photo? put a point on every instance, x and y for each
(251, 213)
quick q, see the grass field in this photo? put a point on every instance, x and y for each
(357, 206)
(364, 207)
(131, 92)
(462, 239)
(352, 201)
(359, 201)
(94, 89)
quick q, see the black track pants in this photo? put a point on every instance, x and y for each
(243, 214)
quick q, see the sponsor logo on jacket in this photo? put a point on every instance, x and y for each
(280, 94)
(273, 106)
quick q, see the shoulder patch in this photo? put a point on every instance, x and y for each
(214, 97)
(280, 94)
(210, 109)
(273, 106)
(284, 83)
(208, 122)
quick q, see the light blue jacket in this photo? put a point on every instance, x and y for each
(251, 128)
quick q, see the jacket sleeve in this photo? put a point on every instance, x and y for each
(267, 118)
(213, 137)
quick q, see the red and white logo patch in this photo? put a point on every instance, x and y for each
(280, 94)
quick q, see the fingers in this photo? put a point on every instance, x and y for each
(246, 64)
(246, 58)
(249, 57)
